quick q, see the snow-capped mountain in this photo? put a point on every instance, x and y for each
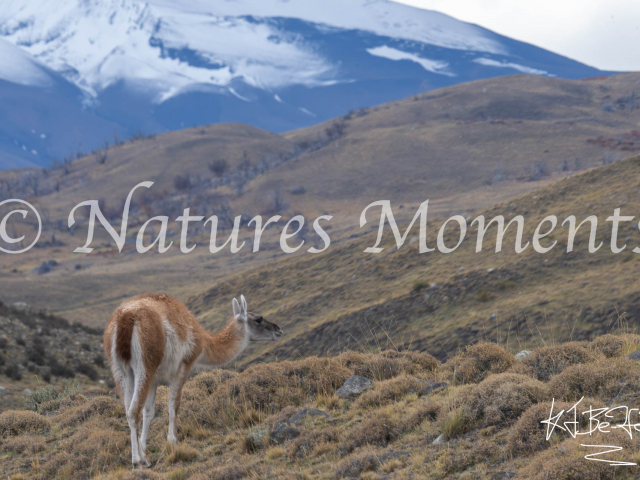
(158, 65)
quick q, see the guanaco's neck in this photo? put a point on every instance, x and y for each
(222, 347)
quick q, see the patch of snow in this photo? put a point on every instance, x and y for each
(304, 110)
(96, 43)
(236, 94)
(520, 68)
(435, 66)
(17, 66)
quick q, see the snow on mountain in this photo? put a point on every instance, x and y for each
(277, 64)
(95, 43)
(19, 67)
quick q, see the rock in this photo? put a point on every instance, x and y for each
(435, 386)
(284, 433)
(635, 355)
(43, 268)
(525, 354)
(26, 392)
(298, 417)
(489, 270)
(20, 306)
(3, 391)
(440, 440)
(354, 386)
(298, 191)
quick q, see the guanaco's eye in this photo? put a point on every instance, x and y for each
(259, 320)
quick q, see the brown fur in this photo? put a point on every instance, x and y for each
(157, 320)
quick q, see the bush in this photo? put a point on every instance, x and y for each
(392, 390)
(419, 285)
(500, 398)
(476, 361)
(529, 434)
(605, 378)
(60, 370)
(546, 361)
(12, 371)
(49, 393)
(218, 167)
(14, 422)
(88, 370)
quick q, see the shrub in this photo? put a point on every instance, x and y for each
(60, 370)
(12, 370)
(476, 361)
(616, 345)
(378, 430)
(387, 364)
(88, 370)
(15, 422)
(101, 406)
(356, 464)
(529, 434)
(605, 378)
(311, 440)
(500, 398)
(567, 459)
(24, 444)
(391, 390)
(49, 393)
(419, 285)
(546, 361)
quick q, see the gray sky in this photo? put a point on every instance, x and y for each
(601, 33)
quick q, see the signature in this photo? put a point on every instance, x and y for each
(594, 420)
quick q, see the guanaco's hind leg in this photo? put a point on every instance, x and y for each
(148, 413)
(174, 400)
(134, 417)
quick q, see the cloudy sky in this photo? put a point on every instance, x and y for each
(601, 33)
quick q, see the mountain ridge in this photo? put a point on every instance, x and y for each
(161, 66)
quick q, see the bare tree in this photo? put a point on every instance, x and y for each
(101, 154)
(538, 170)
(218, 167)
(276, 202)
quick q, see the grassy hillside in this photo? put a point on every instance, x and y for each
(37, 348)
(465, 147)
(482, 408)
(345, 298)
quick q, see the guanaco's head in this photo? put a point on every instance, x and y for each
(257, 326)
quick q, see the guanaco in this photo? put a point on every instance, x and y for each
(155, 338)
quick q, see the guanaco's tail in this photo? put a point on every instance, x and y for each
(124, 332)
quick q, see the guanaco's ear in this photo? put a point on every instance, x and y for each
(236, 308)
(244, 304)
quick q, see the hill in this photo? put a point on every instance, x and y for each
(465, 148)
(478, 415)
(134, 66)
(345, 298)
(38, 348)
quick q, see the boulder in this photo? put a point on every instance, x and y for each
(284, 433)
(635, 355)
(354, 386)
(298, 417)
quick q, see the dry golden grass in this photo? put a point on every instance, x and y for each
(16, 422)
(476, 361)
(491, 424)
(602, 380)
(547, 361)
